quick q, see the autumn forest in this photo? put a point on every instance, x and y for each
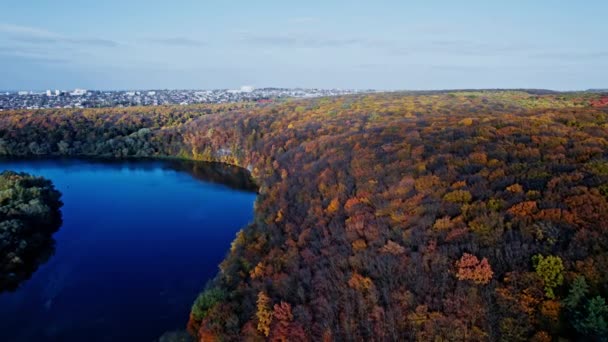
(466, 215)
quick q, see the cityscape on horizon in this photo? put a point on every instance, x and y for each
(83, 98)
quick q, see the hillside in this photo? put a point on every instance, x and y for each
(477, 215)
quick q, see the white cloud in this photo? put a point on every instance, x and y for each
(178, 41)
(34, 35)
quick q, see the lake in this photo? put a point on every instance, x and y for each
(139, 241)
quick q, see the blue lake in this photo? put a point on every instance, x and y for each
(139, 241)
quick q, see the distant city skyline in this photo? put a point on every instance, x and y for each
(83, 98)
(387, 45)
(244, 88)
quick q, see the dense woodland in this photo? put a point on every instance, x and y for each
(29, 215)
(478, 215)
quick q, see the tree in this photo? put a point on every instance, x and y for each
(444, 223)
(588, 316)
(205, 301)
(29, 216)
(594, 324)
(550, 269)
(515, 188)
(284, 329)
(392, 247)
(333, 206)
(470, 268)
(264, 313)
(577, 295)
(360, 283)
(458, 196)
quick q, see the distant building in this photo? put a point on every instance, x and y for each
(243, 89)
(96, 98)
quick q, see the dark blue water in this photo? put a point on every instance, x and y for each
(138, 243)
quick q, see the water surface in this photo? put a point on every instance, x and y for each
(138, 242)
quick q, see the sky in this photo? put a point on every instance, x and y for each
(381, 44)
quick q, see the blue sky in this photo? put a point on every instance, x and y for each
(403, 44)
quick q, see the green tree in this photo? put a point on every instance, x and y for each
(550, 269)
(206, 301)
(577, 295)
(587, 316)
(594, 324)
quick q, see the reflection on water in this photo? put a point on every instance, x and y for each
(232, 176)
(139, 241)
(11, 280)
(55, 284)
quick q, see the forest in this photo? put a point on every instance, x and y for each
(467, 215)
(29, 215)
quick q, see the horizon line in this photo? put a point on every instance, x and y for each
(313, 88)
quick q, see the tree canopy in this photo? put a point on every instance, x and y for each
(391, 216)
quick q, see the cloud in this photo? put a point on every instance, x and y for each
(291, 41)
(480, 48)
(571, 55)
(30, 56)
(24, 30)
(91, 41)
(369, 66)
(178, 41)
(33, 35)
(458, 47)
(395, 48)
